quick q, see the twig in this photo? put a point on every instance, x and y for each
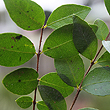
(37, 69)
(79, 89)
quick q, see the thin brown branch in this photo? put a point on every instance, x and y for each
(37, 69)
(79, 89)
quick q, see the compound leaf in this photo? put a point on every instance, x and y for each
(60, 43)
(52, 98)
(21, 81)
(84, 38)
(63, 15)
(15, 49)
(104, 60)
(25, 13)
(70, 70)
(102, 31)
(42, 106)
(97, 82)
(53, 80)
(24, 102)
(107, 4)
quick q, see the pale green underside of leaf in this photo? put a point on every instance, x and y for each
(70, 70)
(21, 81)
(106, 44)
(60, 44)
(88, 109)
(102, 31)
(63, 15)
(24, 102)
(97, 82)
(25, 13)
(107, 4)
(104, 60)
(52, 98)
(94, 27)
(53, 80)
(15, 49)
(42, 106)
(84, 38)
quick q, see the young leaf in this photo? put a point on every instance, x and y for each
(84, 38)
(24, 101)
(63, 15)
(53, 80)
(15, 49)
(70, 70)
(106, 44)
(88, 109)
(21, 81)
(42, 106)
(104, 60)
(25, 13)
(52, 98)
(97, 82)
(60, 43)
(102, 31)
(107, 4)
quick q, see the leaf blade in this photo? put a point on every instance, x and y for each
(21, 81)
(97, 82)
(24, 102)
(52, 98)
(27, 10)
(63, 15)
(84, 38)
(42, 106)
(18, 48)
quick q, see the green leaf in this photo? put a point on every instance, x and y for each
(88, 109)
(60, 43)
(102, 31)
(107, 4)
(106, 44)
(25, 13)
(63, 15)
(21, 81)
(84, 38)
(52, 98)
(42, 106)
(97, 82)
(15, 49)
(94, 27)
(104, 60)
(53, 80)
(24, 101)
(70, 70)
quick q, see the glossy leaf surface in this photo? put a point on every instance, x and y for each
(21, 81)
(24, 102)
(25, 13)
(107, 4)
(88, 109)
(84, 38)
(42, 106)
(97, 82)
(106, 44)
(104, 60)
(15, 49)
(70, 70)
(63, 15)
(60, 43)
(102, 31)
(52, 98)
(53, 80)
